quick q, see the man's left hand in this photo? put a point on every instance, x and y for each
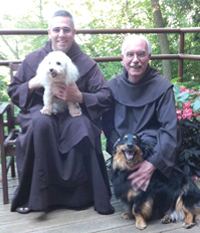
(141, 178)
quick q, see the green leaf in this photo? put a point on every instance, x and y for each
(174, 80)
(196, 105)
(176, 89)
(183, 96)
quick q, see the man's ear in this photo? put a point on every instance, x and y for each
(49, 33)
(149, 57)
(74, 32)
(122, 56)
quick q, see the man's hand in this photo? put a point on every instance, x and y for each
(34, 83)
(67, 93)
(141, 178)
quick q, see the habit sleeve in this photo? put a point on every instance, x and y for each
(164, 152)
(109, 130)
(18, 89)
(98, 95)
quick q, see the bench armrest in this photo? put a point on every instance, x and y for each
(4, 108)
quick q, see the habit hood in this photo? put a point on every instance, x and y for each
(153, 84)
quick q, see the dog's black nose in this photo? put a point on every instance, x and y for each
(51, 70)
(130, 146)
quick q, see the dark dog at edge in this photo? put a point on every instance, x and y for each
(177, 198)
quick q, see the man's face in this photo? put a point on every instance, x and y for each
(136, 59)
(61, 33)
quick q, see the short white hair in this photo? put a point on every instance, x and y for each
(131, 38)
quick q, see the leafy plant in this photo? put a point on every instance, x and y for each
(3, 90)
(188, 114)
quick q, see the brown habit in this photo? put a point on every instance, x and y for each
(59, 158)
(146, 108)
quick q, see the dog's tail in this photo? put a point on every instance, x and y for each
(193, 210)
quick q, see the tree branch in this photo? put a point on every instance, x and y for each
(5, 41)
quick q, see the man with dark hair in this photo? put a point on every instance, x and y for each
(143, 104)
(59, 157)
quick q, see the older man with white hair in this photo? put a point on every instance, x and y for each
(144, 105)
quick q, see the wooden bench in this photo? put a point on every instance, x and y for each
(8, 135)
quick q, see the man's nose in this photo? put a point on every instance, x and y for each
(61, 32)
(135, 57)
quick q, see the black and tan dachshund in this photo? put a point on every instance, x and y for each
(177, 198)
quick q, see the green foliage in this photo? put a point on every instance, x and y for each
(187, 101)
(103, 142)
(3, 90)
(16, 47)
(180, 14)
(188, 113)
(97, 46)
(189, 155)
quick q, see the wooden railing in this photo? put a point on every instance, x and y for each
(180, 56)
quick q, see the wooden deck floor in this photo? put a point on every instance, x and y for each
(73, 221)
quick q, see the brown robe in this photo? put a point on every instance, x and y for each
(59, 158)
(146, 108)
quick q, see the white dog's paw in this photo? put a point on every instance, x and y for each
(74, 109)
(46, 111)
(75, 113)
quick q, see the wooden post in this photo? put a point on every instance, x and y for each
(181, 52)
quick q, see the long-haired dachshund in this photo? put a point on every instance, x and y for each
(177, 198)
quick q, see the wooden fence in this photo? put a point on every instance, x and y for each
(180, 56)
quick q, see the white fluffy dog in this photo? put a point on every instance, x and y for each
(57, 67)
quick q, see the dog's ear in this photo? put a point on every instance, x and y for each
(137, 140)
(144, 146)
(72, 71)
(146, 149)
(116, 144)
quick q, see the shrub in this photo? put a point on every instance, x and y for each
(188, 114)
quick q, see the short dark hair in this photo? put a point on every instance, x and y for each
(63, 13)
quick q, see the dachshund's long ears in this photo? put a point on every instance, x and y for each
(147, 150)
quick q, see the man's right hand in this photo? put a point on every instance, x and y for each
(34, 83)
(140, 179)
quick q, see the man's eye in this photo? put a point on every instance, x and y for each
(56, 30)
(66, 30)
(58, 63)
(141, 54)
(129, 54)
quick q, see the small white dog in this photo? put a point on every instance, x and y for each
(57, 67)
